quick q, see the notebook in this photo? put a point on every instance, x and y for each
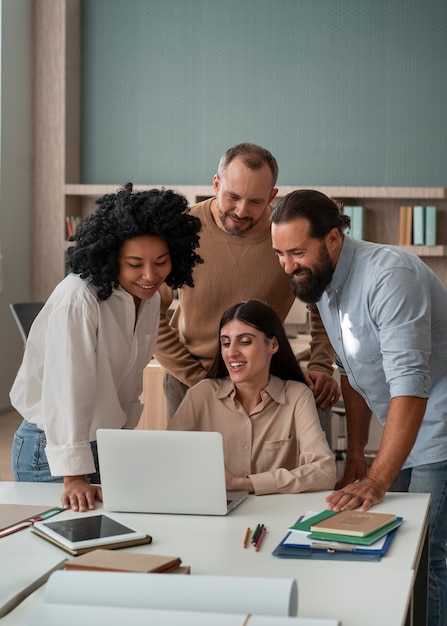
(163, 471)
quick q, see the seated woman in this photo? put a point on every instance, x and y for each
(256, 397)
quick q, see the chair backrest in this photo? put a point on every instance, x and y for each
(24, 314)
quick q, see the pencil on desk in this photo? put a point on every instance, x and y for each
(255, 535)
(246, 536)
(260, 538)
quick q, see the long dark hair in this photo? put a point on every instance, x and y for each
(262, 317)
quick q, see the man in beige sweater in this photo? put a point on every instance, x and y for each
(239, 264)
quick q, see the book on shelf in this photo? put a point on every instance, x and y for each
(423, 226)
(405, 225)
(358, 219)
(430, 225)
(199, 600)
(418, 225)
(357, 215)
(72, 223)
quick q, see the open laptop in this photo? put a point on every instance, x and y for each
(162, 471)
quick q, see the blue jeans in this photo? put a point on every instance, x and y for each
(432, 479)
(29, 461)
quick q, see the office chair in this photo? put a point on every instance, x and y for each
(24, 314)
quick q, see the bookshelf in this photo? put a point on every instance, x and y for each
(58, 193)
(381, 206)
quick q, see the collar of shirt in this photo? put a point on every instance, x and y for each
(343, 265)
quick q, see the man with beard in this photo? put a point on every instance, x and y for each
(239, 264)
(384, 312)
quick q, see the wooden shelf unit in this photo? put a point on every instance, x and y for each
(381, 209)
(57, 192)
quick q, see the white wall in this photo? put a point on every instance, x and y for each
(15, 180)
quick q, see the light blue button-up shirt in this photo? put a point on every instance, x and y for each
(385, 313)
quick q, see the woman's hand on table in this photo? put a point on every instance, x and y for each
(79, 494)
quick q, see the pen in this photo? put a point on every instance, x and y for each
(333, 547)
(260, 538)
(247, 534)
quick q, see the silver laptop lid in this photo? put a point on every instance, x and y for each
(159, 471)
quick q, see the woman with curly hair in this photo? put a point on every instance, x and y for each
(84, 357)
(256, 396)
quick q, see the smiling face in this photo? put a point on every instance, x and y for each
(242, 198)
(144, 264)
(247, 353)
(306, 260)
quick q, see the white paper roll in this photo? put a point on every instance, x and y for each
(219, 594)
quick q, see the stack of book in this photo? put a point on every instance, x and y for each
(417, 226)
(347, 535)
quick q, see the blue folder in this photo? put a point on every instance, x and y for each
(339, 553)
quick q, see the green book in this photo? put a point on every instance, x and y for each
(358, 218)
(306, 524)
(430, 225)
(418, 225)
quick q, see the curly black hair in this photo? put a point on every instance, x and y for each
(128, 214)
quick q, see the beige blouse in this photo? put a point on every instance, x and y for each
(280, 445)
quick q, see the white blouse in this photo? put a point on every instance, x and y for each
(83, 369)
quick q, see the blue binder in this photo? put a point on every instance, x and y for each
(343, 552)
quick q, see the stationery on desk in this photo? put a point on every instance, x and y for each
(33, 568)
(353, 523)
(256, 538)
(84, 533)
(15, 517)
(318, 536)
(110, 561)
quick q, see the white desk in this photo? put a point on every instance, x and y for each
(356, 593)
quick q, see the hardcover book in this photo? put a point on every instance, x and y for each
(111, 561)
(405, 225)
(430, 225)
(358, 218)
(418, 225)
(353, 523)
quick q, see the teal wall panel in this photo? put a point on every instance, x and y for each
(343, 92)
